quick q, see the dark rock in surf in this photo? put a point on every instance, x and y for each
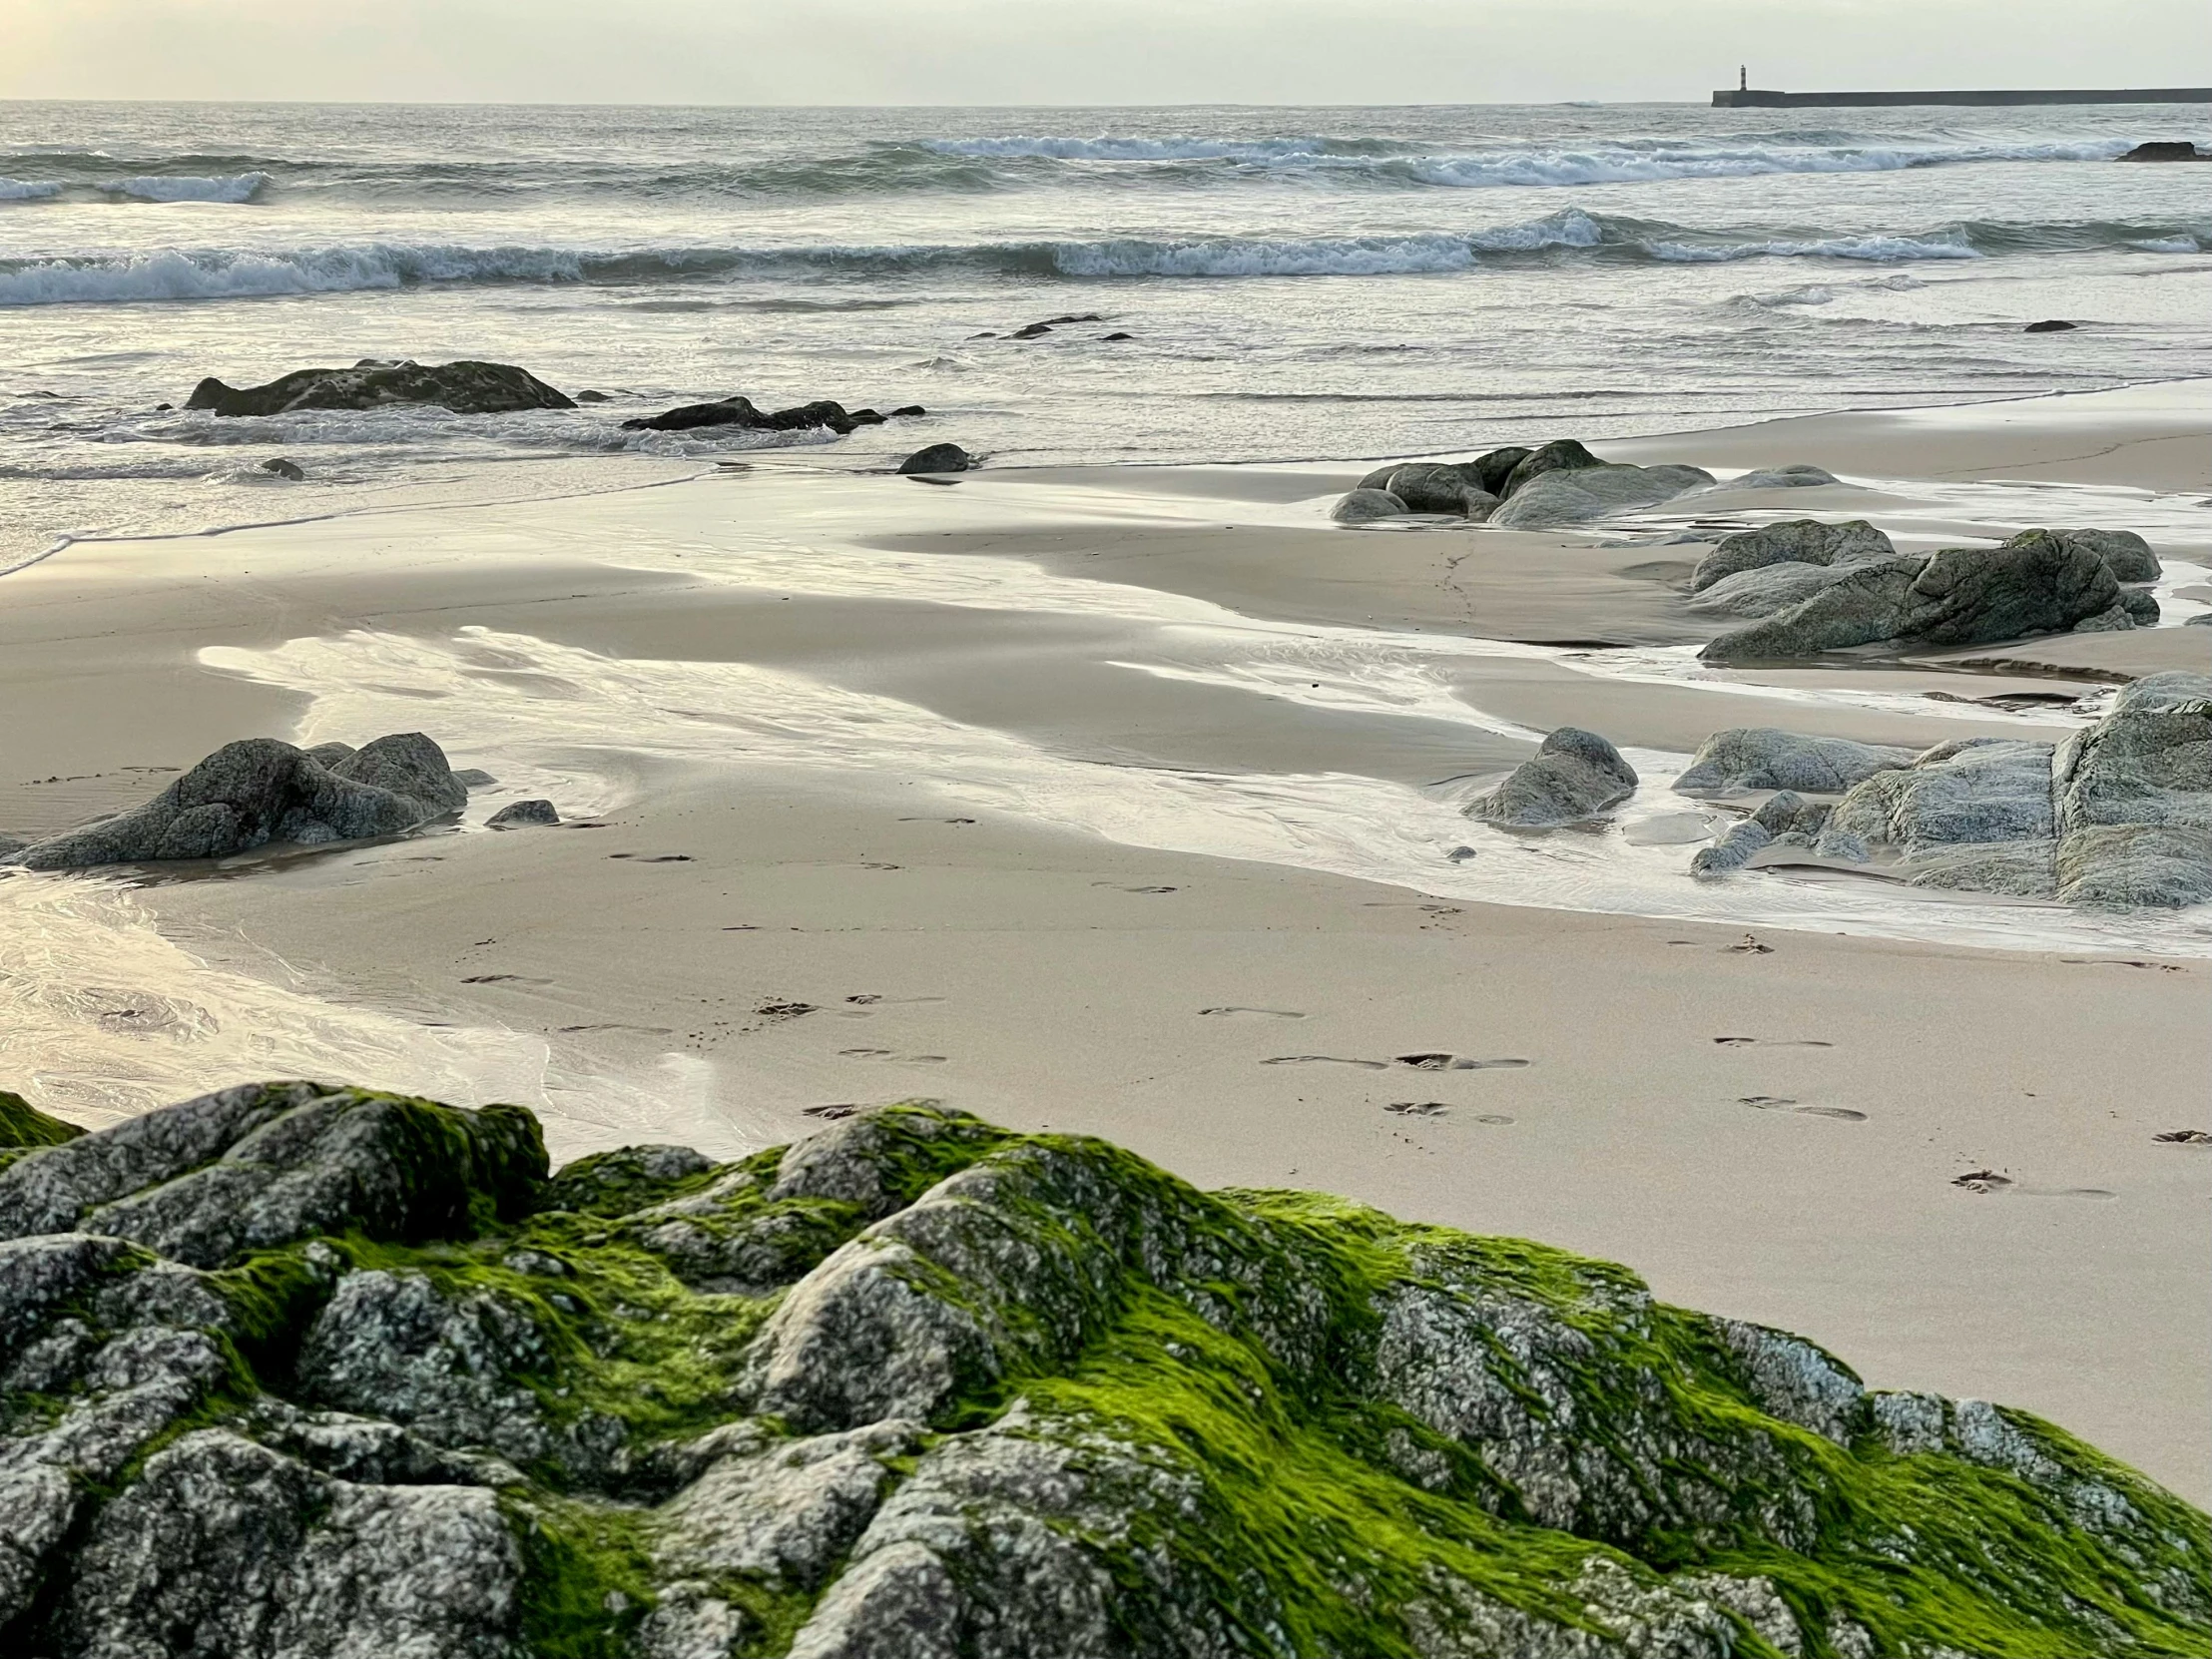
(741, 413)
(1110, 338)
(1490, 471)
(2051, 325)
(465, 387)
(908, 411)
(938, 458)
(2167, 149)
(256, 790)
(593, 397)
(1574, 775)
(280, 467)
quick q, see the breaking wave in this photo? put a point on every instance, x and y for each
(222, 273)
(239, 187)
(28, 190)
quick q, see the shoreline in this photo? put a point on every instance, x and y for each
(1774, 1132)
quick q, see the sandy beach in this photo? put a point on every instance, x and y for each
(1125, 799)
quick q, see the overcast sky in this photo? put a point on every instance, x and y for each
(1077, 51)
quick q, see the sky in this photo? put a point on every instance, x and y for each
(1077, 52)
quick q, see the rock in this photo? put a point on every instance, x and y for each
(588, 396)
(1560, 455)
(221, 1547)
(938, 458)
(465, 387)
(1577, 495)
(1767, 591)
(1362, 505)
(2036, 583)
(1031, 331)
(2167, 149)
(1970, 792)
(2133, 797)
(517, 815)
(1429, 489)
(281, 468)
(1797, 476)
(1803, 541)
(256, 790)
(1732, 851)
(2116, 619)
(1489, 472)
(469, 778)
(908, 411)
(2054, 325)
(2127, 555)
(1039, 1397)
(255, 1167)
(1748, 758)
(24, 1125)
(740, 413)
(1575, 775)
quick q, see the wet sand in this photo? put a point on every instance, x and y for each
(1067, 798)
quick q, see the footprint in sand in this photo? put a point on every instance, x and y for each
(891, 1055)
(1772, 1042)
(655, 857)
(646, 1030)
(503, 979)
(1419, 1062)
(1118, 887)
(2184, 1137)
(2121, 961)
(1436, 1109)
(1783, 1103)
(784, 1011)
(1990, 1181)
(1232, 1012)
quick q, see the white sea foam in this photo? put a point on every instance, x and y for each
(1241, 256)
(1621, 162)
(2169, 244)
(239, 187)
(1942, 244)
(29, 190)
(225, 274)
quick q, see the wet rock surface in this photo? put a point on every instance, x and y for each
(465, 387)
(940, 458)
(260, 789)
(2039, 582)
(1017, 1395)
(1575, 775)
(2118, 815)
(740, 413)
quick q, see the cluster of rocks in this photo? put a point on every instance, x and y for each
(2120, 814)
(1560, 482)
(740, 412)
(293, 1368)
(2167, 149)
(1818, 586)
(1037, 331)
(465, 387)
(260, 789)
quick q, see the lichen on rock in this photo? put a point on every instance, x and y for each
(294, 1368)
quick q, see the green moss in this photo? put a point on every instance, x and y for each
(586, 1579)
(23, 1125)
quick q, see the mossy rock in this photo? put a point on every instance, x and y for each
(920, 1385)
(22, 1124)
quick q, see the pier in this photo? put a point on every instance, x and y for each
(1755, 97)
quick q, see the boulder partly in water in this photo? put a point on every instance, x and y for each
(1802, 541)
(302, 1369)
(1362, 506)
(820, 414)
(1747, 758)
(1578, 495)
(2036, 583)
(1574, 775)
(260, 789)
(465, 387)
(938, 458)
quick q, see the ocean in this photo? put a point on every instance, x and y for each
(1295, 283)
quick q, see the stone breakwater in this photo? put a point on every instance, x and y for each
(299, 1368)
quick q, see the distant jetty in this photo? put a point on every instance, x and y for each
(1753, 98)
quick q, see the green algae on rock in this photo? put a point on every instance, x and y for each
(293, 1368)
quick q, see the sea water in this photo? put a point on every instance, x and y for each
(1295, 283)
